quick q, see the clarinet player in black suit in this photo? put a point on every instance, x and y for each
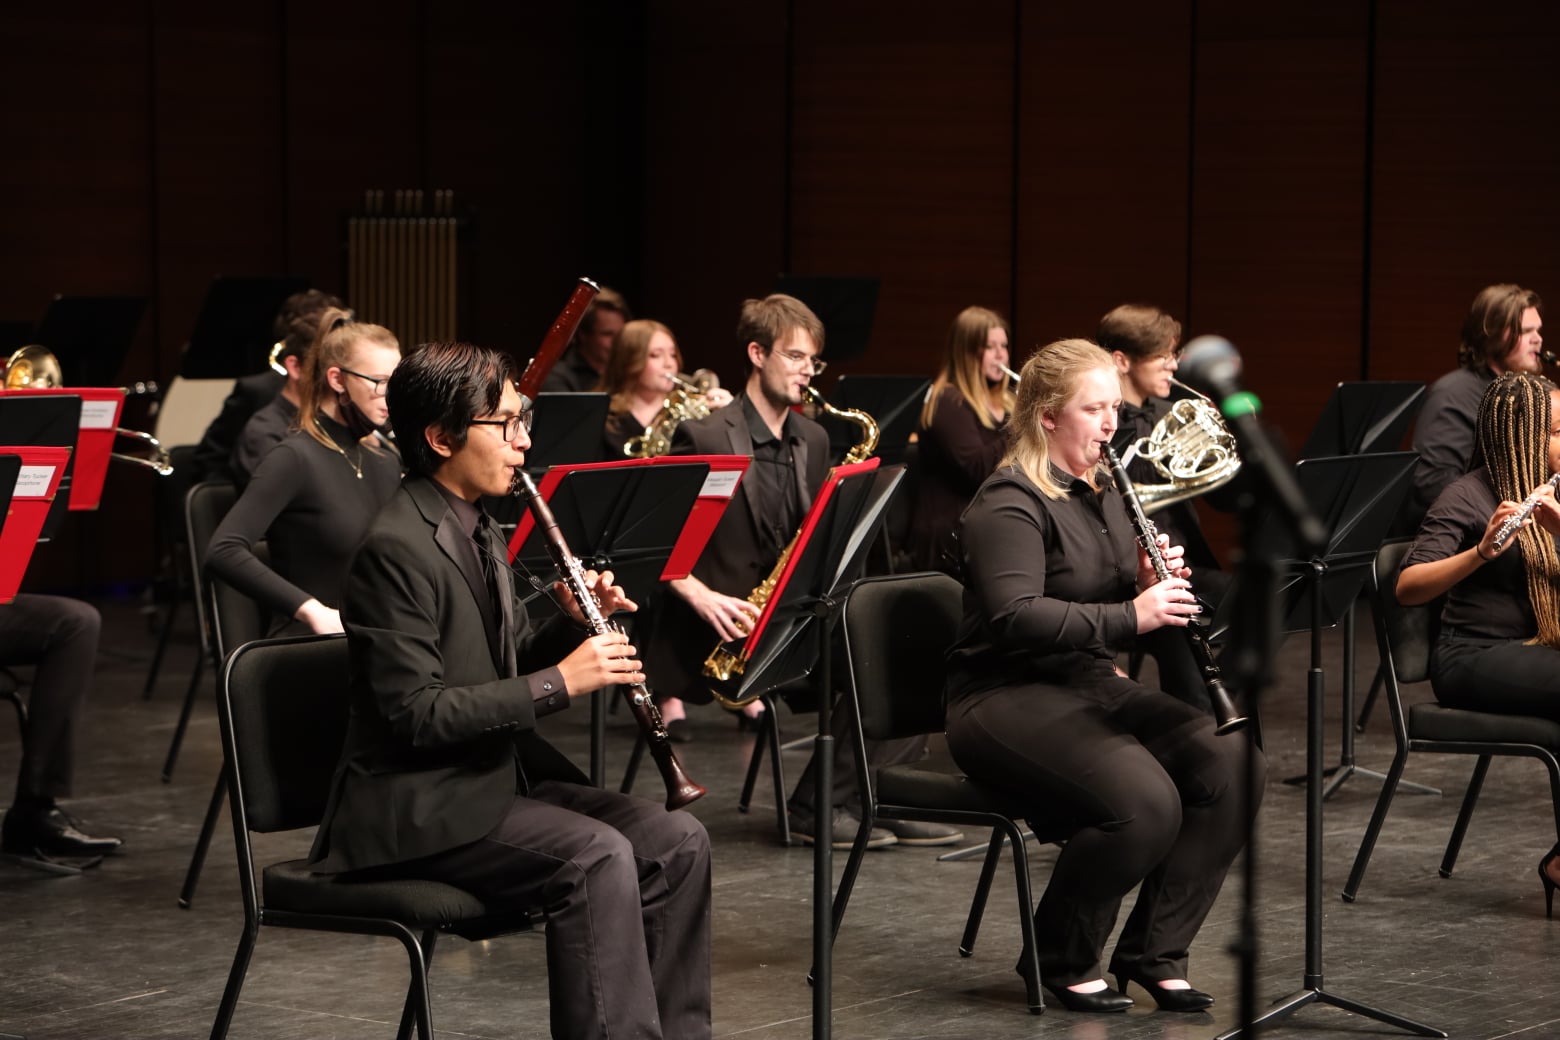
(444, 775)
(1055, 586)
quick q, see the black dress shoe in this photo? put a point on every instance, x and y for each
(678, 731)
(51, 833)
(1167, 999)
(1106, 999)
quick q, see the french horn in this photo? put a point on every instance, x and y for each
(36, 368)
(1190, 447)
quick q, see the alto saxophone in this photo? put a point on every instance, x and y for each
(688, 400)
(726, 663)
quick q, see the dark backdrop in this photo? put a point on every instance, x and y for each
(1326, 183)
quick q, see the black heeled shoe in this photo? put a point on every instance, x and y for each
(1167, 999)
(1105, 999)
(1549, 882)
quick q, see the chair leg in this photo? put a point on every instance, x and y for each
(1026, 922)
(162, 647)
(1373, 829)
(184, 719)
(1370, 698)
(631, 770)
(755, 760)
(1454, 844)
(235, 982)
(409, 1010)
(777, 769)
(208, 827)
(988, 871)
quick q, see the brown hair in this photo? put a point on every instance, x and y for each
(770, 320)
(630, 352)
(1048, 380)
(1494, 324)
(962, 367)
(1138, 331)
(606, 299)
(298, 322)
(337, 336)
(1513, 429)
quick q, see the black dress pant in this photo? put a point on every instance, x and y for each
(626, 886)
(1153, 797)
(1500, 675)
(60, 637)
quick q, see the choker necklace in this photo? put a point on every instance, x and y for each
(357, 467)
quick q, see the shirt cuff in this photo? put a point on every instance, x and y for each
(548, 692)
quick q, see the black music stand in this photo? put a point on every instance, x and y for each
(566, 430)
(44, 420)
(233, 331)
(91, 335)
(626, 519)
(893, 401)
(846, 306)
(796, 634)
(1357, 497)
(1364, 417)
(1360, 418)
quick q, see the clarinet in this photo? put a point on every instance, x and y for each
(1515, 520)
(1228, 718)
(680, 790)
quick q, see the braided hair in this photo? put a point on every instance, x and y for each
(1513, 434)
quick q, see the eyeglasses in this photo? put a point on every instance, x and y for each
(799, 360)
(512, 425)
(379, 384)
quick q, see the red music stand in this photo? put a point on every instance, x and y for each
(38, 475)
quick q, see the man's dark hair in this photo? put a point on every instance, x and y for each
(445, 385)
(1138, 331)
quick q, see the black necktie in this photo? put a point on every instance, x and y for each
(491, 580)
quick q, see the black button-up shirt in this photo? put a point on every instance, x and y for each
(1049, 583)
(774, 471)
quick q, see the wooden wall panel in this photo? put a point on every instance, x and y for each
(713, 171)
(1467, 159)
(1104, 110)
(1277, 221)
(901, 163)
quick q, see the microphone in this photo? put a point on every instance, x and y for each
(1213, 365)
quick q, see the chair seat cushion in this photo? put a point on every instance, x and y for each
(1435, 722)
(937, 789)
(294, 887)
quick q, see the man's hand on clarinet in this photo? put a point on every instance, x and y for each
(599, 661)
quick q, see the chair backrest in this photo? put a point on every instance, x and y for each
(284, 707)
(230, 617)
(1410, 631)
(897, 630)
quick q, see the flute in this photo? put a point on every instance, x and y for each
(1515, 520)
(1227, 717)
(680, 790)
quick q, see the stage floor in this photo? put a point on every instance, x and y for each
(110, 955)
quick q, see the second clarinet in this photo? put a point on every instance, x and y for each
(1227, 718)
(680, 790)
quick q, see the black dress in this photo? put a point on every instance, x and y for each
(953, 455)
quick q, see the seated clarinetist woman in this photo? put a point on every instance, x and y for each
(1499, 645)
(1055, 587)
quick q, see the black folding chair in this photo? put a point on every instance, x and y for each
(1406, 635)
(897, 629)
(283, 711)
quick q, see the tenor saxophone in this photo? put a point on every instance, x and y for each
(725, 664)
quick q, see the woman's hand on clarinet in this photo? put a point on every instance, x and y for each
(1170, 602)
(730, 617)
(599, 661)
(1175, 563)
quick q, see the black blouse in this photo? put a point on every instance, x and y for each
(953, 455)
(1492, 601)
(308, 503)
(1049, 583)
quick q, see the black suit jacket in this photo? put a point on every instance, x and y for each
(442, 730)
(214, 454)
(679, 640)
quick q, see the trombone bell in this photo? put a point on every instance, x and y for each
(33, 368)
